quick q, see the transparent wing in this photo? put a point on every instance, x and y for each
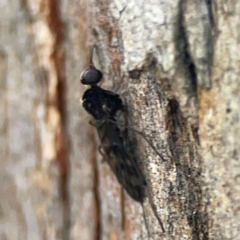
(122, 163)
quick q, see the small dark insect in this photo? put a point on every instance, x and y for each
(103, 106)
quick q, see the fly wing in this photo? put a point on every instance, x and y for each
(124, 166)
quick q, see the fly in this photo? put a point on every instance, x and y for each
(103, 105)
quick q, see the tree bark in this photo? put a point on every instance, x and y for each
(175, 64)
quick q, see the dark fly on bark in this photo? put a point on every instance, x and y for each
(103, 105)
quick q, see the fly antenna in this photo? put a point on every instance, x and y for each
(91, 56)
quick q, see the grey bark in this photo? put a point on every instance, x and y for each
(175, 65)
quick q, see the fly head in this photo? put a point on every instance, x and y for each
(91, 76)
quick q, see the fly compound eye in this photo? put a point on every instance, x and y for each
(91, 76)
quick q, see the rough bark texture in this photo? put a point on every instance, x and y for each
(176, 66)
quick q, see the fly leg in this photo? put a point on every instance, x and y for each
(155, 211)
(145, 221)
(145, 138)
(102, 153)
(122, 199)
(102, 148)
(150, 143)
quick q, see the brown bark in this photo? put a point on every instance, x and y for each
(181, 88)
